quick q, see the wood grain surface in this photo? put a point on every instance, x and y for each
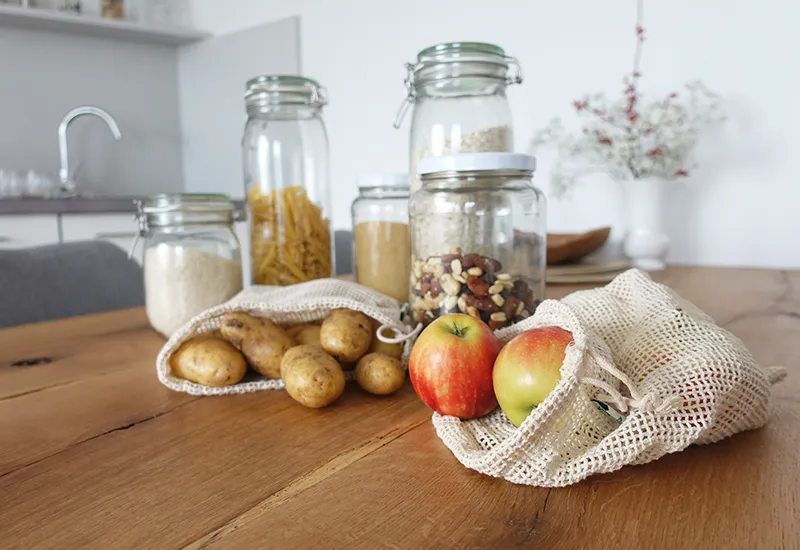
(95, 453)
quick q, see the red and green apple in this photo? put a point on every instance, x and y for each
(528, 368)
(450, 366)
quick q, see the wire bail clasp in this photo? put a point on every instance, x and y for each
(514, 71)
(141, 220)
(319, 95)
(411, 94)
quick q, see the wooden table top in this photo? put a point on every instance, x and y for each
(96, 453)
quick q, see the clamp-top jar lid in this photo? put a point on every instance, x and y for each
(172, 209)
(273, 90)
(165, 210)
(461, 163)
(465, 59)
(392, 181)
(451, 60)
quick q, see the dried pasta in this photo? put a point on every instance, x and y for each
(290, 239)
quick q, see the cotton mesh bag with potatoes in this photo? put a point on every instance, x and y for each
(309, 302)
(640, 349)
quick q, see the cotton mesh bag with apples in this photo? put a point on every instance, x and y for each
(639, 349)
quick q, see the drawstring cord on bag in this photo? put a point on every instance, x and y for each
(399, 336)
(650, 402)
(775, 374)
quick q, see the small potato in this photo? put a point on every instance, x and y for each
(216, 333)
(380, 374)
(311, 377)
(292, 330)
(261, 341)
(395, 350)
(209, 361)
(308, 335)
(346, 335)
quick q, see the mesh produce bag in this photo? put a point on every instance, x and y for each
(677, 378)
(300, 303)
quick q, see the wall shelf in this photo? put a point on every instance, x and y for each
(87, 25)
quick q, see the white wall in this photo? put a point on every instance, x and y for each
(213, 73)
(43, 75)
(739, 208)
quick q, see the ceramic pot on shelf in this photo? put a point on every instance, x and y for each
(646, 242)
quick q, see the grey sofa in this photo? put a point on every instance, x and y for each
(65, 280)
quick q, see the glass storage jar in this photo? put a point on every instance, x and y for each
(192, 258)
(285, 153)
(478, 238)
(380, 234)
(458, 94)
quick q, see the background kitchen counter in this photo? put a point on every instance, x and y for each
(28, 222)
(76, 205)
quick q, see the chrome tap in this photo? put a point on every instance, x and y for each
(66, 180)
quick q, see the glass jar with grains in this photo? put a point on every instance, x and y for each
(458, 93)
(478, 238)
(192, 258)
(380, 231)
(285, 153)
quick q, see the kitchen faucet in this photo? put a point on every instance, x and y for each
(66, 180)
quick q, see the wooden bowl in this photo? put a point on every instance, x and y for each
(569, 247)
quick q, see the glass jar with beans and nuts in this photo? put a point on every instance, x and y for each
(478, 238)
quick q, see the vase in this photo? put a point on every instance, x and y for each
(646, 242)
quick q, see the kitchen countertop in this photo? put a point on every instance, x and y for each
(96, 453)
(75, 205)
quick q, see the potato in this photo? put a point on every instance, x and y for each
(307, 335)
(292, 330)
(261, 341)
(346, 335)
(312, 377)
(215, 333)
(209, 361)
(380, 374)
(395, 350)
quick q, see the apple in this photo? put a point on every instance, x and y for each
(450, 366)
(528, 368)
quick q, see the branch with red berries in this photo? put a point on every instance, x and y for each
(630, 137)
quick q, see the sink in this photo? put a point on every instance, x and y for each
(30, 184)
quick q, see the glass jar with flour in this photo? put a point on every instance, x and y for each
(192, 258)
(380, 234)
(458, 94)
(478, 238)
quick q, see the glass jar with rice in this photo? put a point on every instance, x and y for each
(285, 153)
(192, 258)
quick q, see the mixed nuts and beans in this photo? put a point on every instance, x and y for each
(471, 284)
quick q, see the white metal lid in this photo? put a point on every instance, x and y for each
(475, 162)
(383, 180)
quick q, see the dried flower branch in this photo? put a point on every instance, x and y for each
(628, 137)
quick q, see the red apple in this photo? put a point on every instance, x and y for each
(451, 364)
(528, 369)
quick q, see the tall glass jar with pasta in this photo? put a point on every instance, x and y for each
(285, 153)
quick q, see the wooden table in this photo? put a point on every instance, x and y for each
(95, 453)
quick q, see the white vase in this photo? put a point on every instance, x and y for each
(646, 242)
